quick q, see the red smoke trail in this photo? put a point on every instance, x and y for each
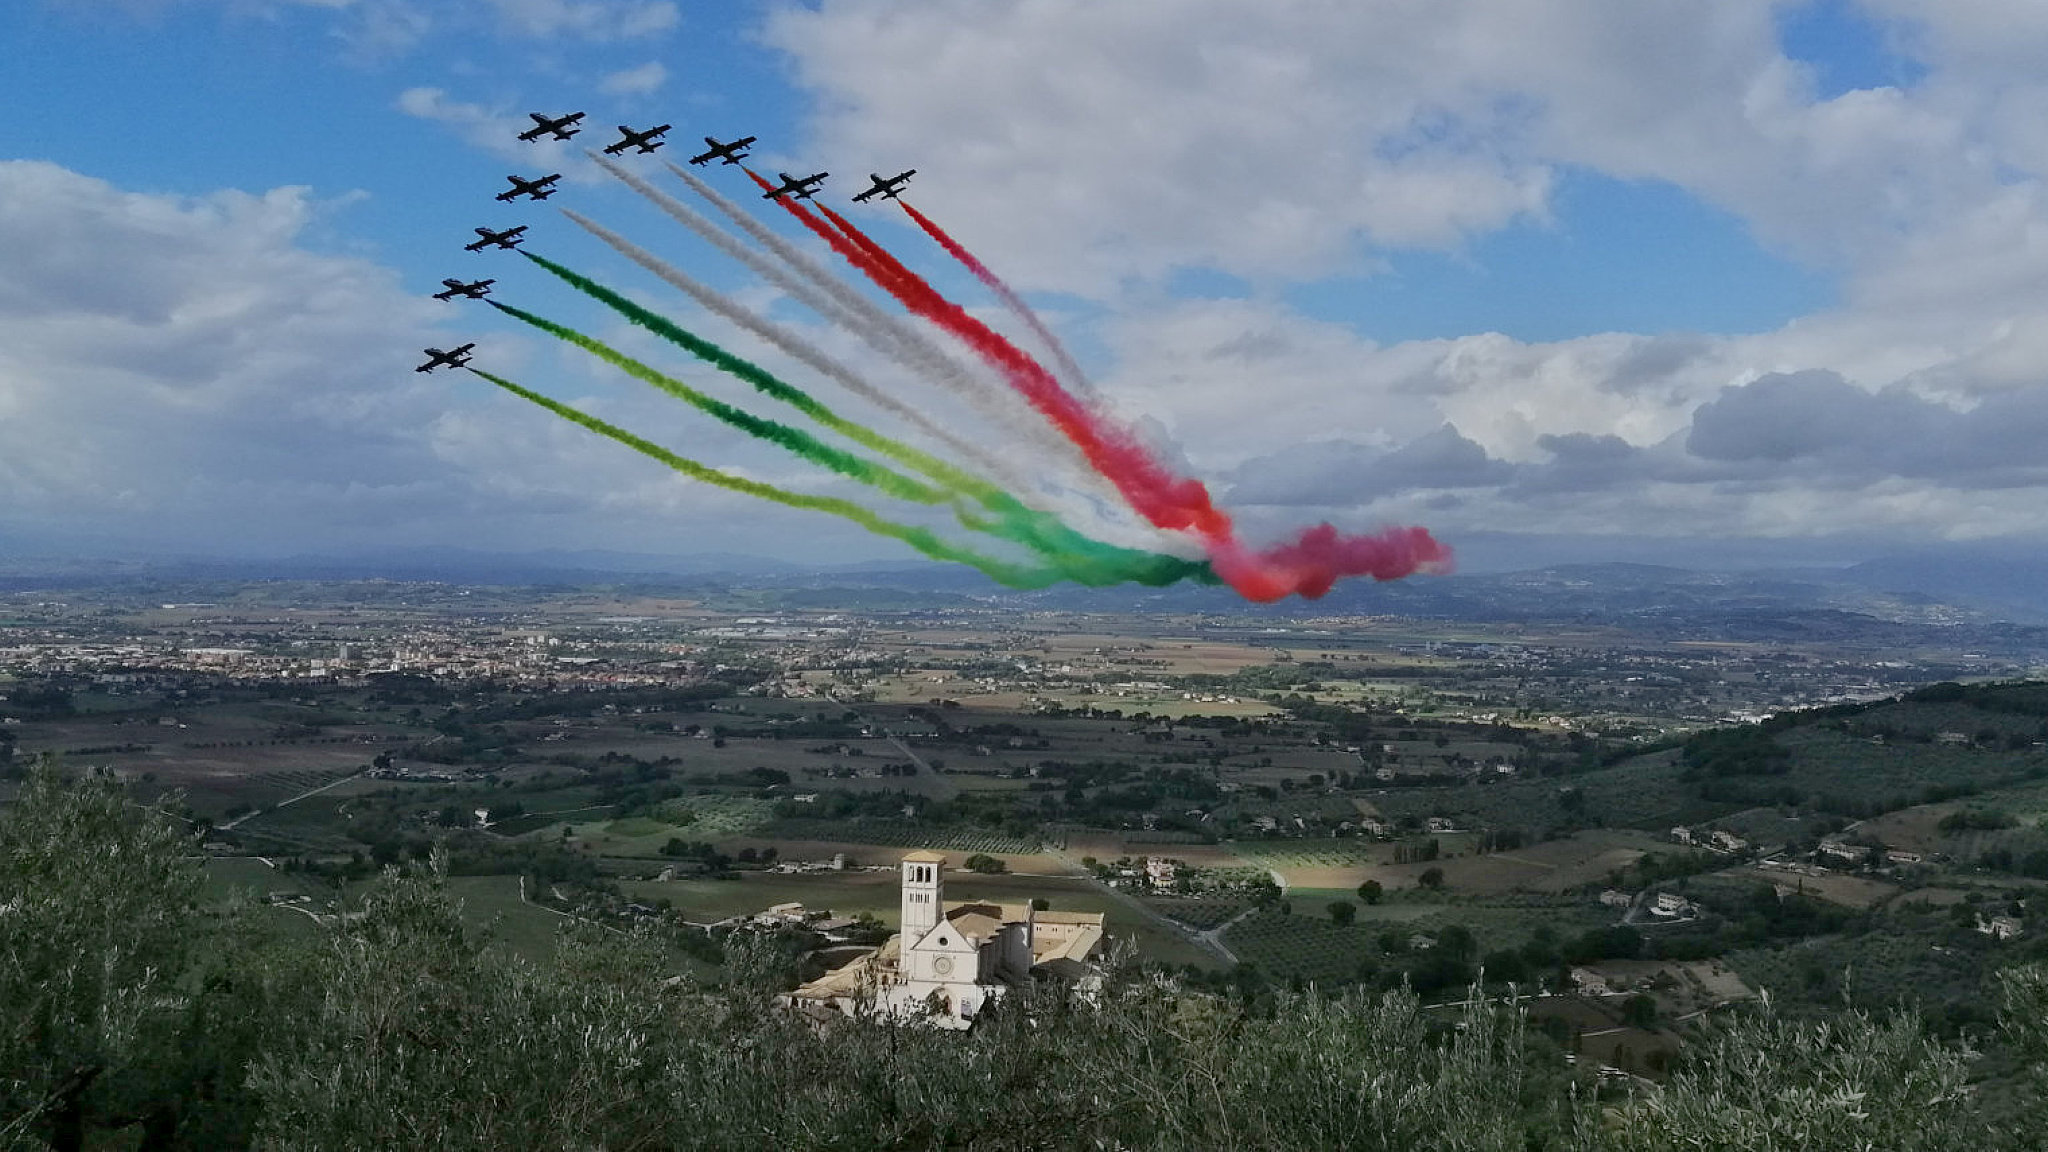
(1307, 567)
(1166, 500)
(1010, 299)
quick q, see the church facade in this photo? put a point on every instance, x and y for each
(949, 961)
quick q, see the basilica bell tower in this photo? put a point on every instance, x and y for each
(923, 893)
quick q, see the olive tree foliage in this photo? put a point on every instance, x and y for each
(1851, 1082)
(2023, 1015)
(98, 916)
(421, 1037)
(426, 1038)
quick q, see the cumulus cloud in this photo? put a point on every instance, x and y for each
(1340, 474)
(1260, 138)
(1816, 420)
(1281, 141)
(206, 364)
(183, 373)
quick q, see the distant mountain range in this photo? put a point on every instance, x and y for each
(2002, 595)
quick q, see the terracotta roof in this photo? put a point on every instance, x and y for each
(999, 912)
(925, 856)
(974, 925)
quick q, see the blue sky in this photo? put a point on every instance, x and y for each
(1496, 267)
(189, 98)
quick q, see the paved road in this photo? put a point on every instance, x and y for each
(293, 800)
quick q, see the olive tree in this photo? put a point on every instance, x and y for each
(98, 918)
(1761, 1080)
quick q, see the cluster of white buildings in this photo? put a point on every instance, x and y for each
(1715, 840)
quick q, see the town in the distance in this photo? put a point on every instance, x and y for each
(927, 797)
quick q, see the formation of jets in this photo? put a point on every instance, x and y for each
(731, 153)
(887, 189)
(646, 141)
(540, 187)
(473, 290)
(803, 188)
(453, 358)
(630, 139)
(558, 125)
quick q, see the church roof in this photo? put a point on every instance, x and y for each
(999, 912)
(925, 856)
(974, 925)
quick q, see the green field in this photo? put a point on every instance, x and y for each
(252, 877)
(720, 817)
(1642, 793)
(492, 903)
(1289, 855)
(1303, 947)
(889, 834)
(1306, 944)
(1198, 911)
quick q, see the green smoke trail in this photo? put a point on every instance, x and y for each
(795, 439)
(761, 379)
(924, 540)
(1084, 559)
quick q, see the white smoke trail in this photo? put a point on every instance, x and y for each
(826, 294)
(1084, 496)
(798, 348)
(912, 347)
(819, 289)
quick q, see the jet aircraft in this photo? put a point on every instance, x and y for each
(509, 238)
(803, 189)
(540, 188)
(731, 153)
(646, 141)
(474, 290)
(886, 189)
(559, 125)
(453, 358)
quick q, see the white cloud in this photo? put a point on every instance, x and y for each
(1285, 138)
(496, 131)
(596, 20)
(1098, 148)
(183, 374)
(641, 81)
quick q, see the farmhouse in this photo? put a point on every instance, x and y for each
(950, 960)
(1669, 904)
(1159, 871)
(2000, 927)
(1728, 842)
